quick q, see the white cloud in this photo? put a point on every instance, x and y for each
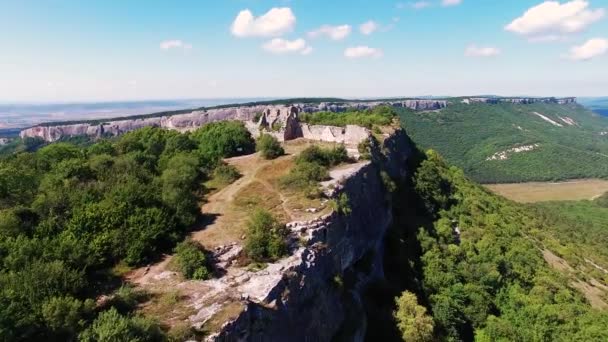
(480, 51)
(420, 4)
(446, 3)
(333, 32)
(551, 20)
(274, 23)
(307, 50)
(362, 51)
(590, 49)
(174, 44)
(368, 27)
(282, 46)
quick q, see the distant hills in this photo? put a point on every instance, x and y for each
(597, 104)
(503, 143)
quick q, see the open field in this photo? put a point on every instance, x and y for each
(584, 189)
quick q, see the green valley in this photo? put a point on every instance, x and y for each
(504, 143)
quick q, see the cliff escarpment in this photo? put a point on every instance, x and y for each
(255, 117)
(317, 294)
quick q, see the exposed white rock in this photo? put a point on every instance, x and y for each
(568, 121)
(547, 119)
(504, 155)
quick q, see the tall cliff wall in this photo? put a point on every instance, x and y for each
(281, 115)
(318, 296)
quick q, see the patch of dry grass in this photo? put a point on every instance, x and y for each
(170, 308)
(585, 189)
(228, 312)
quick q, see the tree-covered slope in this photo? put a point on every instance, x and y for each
(562, 141)
(477, 262)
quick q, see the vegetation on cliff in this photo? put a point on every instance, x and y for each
(265, 237)
(312, 166)
(467, 135)
(378, 116)
(473, 258)
(68, 214)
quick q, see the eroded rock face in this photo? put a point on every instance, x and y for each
(319, 286)
(523, 100)
(278, 120)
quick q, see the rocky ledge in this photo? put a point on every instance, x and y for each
(270, 116)
(315, 293)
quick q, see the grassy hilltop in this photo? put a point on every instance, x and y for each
(568, 140)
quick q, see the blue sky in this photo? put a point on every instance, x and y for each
(58, 51)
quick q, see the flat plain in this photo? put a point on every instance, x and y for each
(532, 192)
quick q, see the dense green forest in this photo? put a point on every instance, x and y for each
(72, 216)
(468, 134)
(460, 262)
(472, 258)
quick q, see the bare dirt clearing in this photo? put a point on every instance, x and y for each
(593, 290)
(584, 189)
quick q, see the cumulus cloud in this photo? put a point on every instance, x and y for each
(447, 3)
(174, 44)
(283, 46)
(552, 19)
(362, 51)
(481, 51)
(274, 23)
(590, 49)
(368, 27)
(333, 32)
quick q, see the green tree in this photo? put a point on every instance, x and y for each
(179, 179)
(222, 140)
(412, 319)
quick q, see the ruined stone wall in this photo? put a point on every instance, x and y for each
(320, 292)
(350, 134)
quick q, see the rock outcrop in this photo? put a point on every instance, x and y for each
(522, 100)
(278, 120)
(317, 293)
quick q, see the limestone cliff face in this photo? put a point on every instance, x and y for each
(319, 295)
(278, 120)
(523, 100)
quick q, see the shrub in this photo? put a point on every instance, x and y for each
(192, 261)
(226, 173)
(126, 299)
(269, 147)
(265, 237)
(389, 183)
(381, 116)
(112, 326)
(365, 149)
(312, 167)
(65, 314)
(341, 204)
(327, 157)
